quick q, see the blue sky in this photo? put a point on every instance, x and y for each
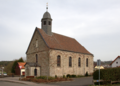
(93, 23)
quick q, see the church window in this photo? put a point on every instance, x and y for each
(36, 58)
(44, 22)
(49, 23)
(79, 62)
(36, 43)
(58, 61)
(70, 61)
(87, 62)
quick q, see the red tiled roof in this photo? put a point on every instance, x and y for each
(57, 41)
(114, 60)
(22, 64)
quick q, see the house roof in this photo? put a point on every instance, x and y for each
(114, 60)
(32, 64)
(22, 64)
(60, 42)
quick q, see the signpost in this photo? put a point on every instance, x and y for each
(98, 64)
(20, 70)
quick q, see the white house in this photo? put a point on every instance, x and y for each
(116, 62)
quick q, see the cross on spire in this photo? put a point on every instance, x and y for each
(46, 6)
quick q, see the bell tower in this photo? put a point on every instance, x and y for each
(46, 22)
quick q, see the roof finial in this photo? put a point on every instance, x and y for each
(46, 6)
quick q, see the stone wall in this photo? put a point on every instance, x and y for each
(64, 69)
(29, 71)
(41, 50)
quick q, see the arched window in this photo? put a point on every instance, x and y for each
(70, 61)
(44, 22)
(36, 43)
(36, 58)
(49, 23)
(87, 62)
(58, 61)
(79, 62)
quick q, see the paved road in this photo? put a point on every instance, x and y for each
(85, 81)
(3, 83)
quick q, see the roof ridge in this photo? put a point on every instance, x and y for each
(61, 42)
(57, 34)
(64, 35)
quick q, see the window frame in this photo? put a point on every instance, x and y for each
(79, 62)
(44, 22)
(58, 61)
(86, 62)
(36, 58)
(36, 43)
(70, 61)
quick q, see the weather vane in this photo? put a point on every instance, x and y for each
(47, 7)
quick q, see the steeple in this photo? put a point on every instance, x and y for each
(46, 22)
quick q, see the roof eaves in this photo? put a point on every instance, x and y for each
(114, 60)
(72, 51)
(31, 40)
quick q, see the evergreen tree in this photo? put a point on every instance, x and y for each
(13, 67)
(20, 60)
(15, 63)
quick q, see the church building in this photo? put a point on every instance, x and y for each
(51, 54)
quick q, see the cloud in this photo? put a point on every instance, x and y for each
(93, 23)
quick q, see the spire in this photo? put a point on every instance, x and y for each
(46, 6)
(46, 22)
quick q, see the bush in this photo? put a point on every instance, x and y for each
(68, 75)
(56, 76)
(42, 77)
(86, 74)
(107, 74)
(73, 76)
(51, 78)
(63, 76)
(80, 76)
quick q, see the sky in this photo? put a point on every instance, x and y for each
(95, 24)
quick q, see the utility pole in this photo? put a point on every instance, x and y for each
(98, 64)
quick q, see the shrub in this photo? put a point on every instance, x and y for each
(107, 74)
(51, 78)
(73, 76)
(68, 75)
(42, 77)
(63, 76)
(56, 76)
(80, 76)
(86, 74)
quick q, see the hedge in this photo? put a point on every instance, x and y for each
(112, 74)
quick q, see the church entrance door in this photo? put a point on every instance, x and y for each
(35, 72)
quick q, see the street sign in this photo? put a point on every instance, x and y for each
(20, 67)
(98, 62)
